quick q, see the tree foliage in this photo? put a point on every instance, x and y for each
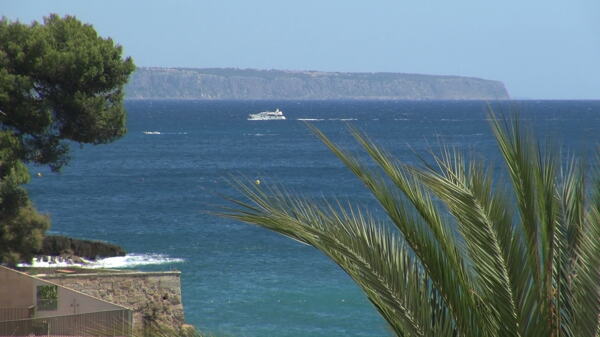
(59, 83)
(460, 253)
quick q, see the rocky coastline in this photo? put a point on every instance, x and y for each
(60, 250)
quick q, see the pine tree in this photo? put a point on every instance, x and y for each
(59, 83)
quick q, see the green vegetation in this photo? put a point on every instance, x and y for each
(47, 297)
(459, 254)
(59, 82)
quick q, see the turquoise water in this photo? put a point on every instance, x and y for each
(150, 192)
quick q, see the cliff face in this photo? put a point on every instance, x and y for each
(221, 84)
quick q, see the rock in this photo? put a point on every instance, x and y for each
(188, 330)
(75, 249)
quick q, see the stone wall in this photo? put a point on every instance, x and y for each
(153, 296)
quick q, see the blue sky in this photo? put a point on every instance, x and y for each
(538, 48)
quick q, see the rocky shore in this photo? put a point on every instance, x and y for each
(58, 249)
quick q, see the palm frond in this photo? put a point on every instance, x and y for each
(444, 268)
(368, 252)
(420, 199)
(532, 173)
(567, 242)
(467, 192)
(585, 278)
(457, 256)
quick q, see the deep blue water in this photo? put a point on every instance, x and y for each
(150, 193)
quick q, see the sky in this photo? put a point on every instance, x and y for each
(540, 49)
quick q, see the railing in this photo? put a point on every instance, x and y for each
(102, 324)
(11, 314)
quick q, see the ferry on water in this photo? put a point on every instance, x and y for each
(267, 116)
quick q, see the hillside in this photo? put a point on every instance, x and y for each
(228, 83)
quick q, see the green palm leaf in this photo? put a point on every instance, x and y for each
(456, 255)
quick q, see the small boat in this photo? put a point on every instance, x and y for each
(267, 116)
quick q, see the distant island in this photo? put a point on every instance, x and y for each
(250, 84)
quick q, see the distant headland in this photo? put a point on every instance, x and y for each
(250, 84)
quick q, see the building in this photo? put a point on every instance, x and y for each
(30, 306)
(154, 296)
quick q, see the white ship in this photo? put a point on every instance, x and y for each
(267, 116)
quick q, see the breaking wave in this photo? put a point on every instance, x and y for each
(328, 119)
(127, 261)
(163, 133)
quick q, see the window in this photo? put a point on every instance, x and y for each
(47, 298)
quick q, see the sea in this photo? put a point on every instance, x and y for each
(155, 190)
